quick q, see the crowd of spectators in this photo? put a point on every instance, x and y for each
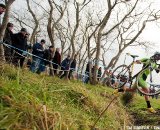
(38, 59)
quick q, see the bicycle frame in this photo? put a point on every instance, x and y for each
(131, 78)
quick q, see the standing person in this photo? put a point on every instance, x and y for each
(19, 41)
(99, 73)
(56, 60)
(92, 71)
(8, 40)
(72, 67)
(65, 67)
(2, 10)
(38, 53)
(87, 74)
(110, 79)
(48, 56)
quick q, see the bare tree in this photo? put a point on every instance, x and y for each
(52, 22)
(36, 22)
(99, 36)
(77, 6)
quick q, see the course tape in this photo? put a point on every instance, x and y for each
(25, 53)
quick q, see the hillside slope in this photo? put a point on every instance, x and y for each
(140, 115)
(39, 102)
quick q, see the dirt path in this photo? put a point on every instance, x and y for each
(146, 118)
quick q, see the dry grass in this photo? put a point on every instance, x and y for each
(29, 101)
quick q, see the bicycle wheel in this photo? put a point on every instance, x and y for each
(152, 83)
(120, 76)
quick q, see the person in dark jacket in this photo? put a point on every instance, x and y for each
(65, 67)
(99, 73)
(19, 41)
(87, 74)
(48, 56)
(38, 53)
(72, 67)
(8, 40)
(2, 8)
(56, 60)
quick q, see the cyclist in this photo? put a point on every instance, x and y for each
(142, 79)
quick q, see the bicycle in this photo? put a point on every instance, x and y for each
(123, 75)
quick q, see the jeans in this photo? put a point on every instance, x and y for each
(86, 77)
(42, 66)
(35, 64)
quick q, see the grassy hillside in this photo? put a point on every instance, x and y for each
(39, 102)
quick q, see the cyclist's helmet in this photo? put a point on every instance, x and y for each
(156, 56)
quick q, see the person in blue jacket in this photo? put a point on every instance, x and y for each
(38, 53)
(65, 65)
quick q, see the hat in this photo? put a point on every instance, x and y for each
(3, 6)
(10, 24)
(51, 46)
(43, 41)
(23, 30)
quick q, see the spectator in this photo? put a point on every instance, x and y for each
(72, 67)
(92, 72)
(99, 73)
(109, 79)
(29, 45)
(38, 53)
(65, 67)
(20, 42)
(8, 40)
(48, 56)
(2, 8)
(87, 74)
(56, 60)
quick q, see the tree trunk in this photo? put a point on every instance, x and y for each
(98, 42)
(50, 29)
(36, 23)
(75, 30)
(89, 59)
(98, 47)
